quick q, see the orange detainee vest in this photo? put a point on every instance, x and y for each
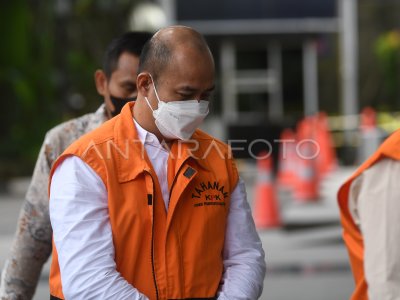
(165, 255)
(351, 233)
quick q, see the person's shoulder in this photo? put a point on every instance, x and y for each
(71, 129)
(207, 141)
(95, 141)
(202, 136)
(391, 146)
(102, 133)
(394, 137)
(215, 154)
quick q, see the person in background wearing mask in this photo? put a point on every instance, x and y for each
(162, 210)
(32, 244)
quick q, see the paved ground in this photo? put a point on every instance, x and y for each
(306, 257)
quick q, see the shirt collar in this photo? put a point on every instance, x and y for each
(146, 137)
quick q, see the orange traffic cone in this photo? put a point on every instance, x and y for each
(266, 208)
(306, 128)
(326, 160)
(368, 119)
(307, 183)
(370, 135)
(287, 159)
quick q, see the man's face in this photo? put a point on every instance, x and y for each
(189, 76)
(121, 84)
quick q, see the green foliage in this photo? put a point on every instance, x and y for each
(387, 50)
(50, 50)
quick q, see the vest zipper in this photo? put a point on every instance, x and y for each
(152, 256)
(152, 240)
(169, 200)
(173, 181)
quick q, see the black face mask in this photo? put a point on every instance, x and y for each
(119, 103)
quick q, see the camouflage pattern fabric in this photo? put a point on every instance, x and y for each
(31, 246)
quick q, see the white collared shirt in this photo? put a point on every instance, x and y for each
(82, 234)
(374, 203)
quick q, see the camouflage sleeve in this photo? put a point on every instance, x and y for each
(31, 246)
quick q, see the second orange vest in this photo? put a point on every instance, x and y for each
(351, 233)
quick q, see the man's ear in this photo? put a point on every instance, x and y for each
(100, 80)
(143, 82)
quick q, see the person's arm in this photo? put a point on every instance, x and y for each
(31, 245)
(82, 235)
(375, 201)
(243, 256)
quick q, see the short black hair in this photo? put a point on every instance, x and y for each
(131, 42)
(155, 57)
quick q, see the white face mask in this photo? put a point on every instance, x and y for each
(178, 119)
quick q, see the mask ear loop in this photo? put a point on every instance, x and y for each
(155, 90)
(148, 103)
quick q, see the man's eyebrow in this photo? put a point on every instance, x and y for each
(191, 89)
(211, 89)
(187, 88)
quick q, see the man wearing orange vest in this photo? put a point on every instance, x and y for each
(148, 206)
(369, 206)
(32, 243)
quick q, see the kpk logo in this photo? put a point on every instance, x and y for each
(211, 192)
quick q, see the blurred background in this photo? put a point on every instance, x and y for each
(279, 63)
(276, 62)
